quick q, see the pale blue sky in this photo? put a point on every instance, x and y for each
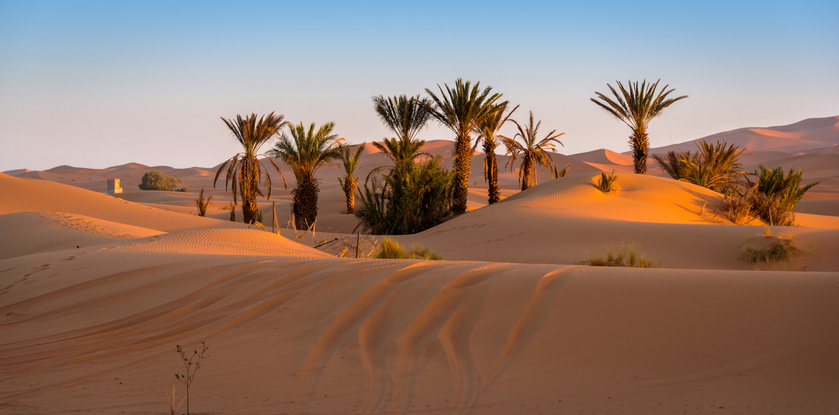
(97, 84)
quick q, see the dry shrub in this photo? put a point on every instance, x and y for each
(607, 181)
(769, 248)
(622, 256)
(392, 250)
(739, 208)
(202, 203)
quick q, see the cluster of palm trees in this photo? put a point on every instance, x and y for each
(464, 108)
(303, 150)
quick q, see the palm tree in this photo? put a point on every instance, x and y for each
(305, 152)
(244, 169)
(532, 150)
(637, 107)
(350, 161)
(461, 109)
(487, 130)
(405, 116)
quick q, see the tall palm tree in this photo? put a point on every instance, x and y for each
(636, 107)
(350, 161)
(305, 152)
(488, 133)
(405, 116)
(460, 109)
(244, 169)
(533, 152)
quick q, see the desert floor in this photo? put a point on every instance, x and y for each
(96, 290)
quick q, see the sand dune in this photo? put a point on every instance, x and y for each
(603, 156)
(96, 291)
(298, 333)
(565, 221)
(27, 195)
(810, 134)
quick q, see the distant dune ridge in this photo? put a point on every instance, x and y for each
(96, 291)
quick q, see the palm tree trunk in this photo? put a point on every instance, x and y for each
(640, 143)
(305, 203)
(492, 171)
(247, 187)
(526, 172)
(462, 168)
(349, 190)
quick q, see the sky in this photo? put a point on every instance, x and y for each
(99, 84)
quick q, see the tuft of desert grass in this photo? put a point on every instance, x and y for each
(607, 181)
(391, 249)
(622, 256)
(556, 173)
(769, 248)
(202, 203)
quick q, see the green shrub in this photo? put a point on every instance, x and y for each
(392, 250)
(155, 180)
(607, 181)
(776, 194)
(410, 199)
(674, 162)
(715, 167)
(184, 189)
(622, 256)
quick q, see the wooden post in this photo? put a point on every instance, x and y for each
(357, 243)
(274, 227)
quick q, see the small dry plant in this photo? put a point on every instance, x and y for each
(172, 407)
(392, 250)
(232, 209)
(348, 246)
(769, 248)
(622, 256)
(607, 181)
(556, 173)
(191, 365)
(202, 203)
(739, 209)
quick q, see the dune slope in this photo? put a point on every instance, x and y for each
(294, 332)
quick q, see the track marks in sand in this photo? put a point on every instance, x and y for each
(423, 312)
(235, 297)
(350, 321)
